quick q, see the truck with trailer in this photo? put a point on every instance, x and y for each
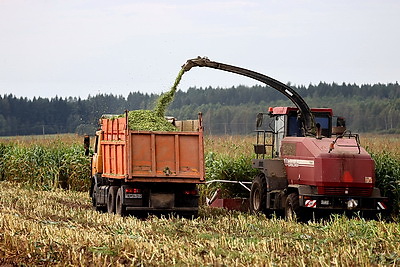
(305, 165)
(141, 172)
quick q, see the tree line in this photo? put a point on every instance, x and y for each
(367, 108)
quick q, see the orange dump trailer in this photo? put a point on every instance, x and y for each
(147, 172)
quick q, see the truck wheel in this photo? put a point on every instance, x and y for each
(257, 195)
(94, 197)
(95, 204)
(292, 207)
(92, 184)
(112, 192)
(120, 209)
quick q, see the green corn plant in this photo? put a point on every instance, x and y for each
(224, 167)
(387, 172)
(45, 166)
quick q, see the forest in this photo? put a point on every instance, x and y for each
(367, 108)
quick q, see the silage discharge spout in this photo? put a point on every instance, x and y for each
(292, 95)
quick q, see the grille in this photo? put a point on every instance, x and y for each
(345, 191)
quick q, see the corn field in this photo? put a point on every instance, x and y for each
(47, 165)
(44, 224)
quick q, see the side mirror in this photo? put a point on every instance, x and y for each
(259, 120)
(319, 130)
(341, 122)
(340, 127)
(86, 144)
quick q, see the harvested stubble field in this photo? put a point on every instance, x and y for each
(44, 225)
(59, 227)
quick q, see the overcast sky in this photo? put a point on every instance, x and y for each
(76, 48)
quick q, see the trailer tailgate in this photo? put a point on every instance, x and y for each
(166, 156)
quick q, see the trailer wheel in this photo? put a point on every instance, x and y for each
(292, 207)
(257, 195)
(120, 209)
(111, 197)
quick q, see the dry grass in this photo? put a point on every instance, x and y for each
(227, 145)
(231, 146)
(235, 146)
(382, 143)
(69, 139)
(59, 228)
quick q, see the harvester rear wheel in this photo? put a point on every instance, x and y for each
(111, 197)
(292, 207)
(258, 195)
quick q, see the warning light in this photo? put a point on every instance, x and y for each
(190, 192)
(133, 190)
(331, 146)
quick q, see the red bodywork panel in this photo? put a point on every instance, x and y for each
(343, 171)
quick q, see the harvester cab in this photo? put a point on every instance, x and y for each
(287, 121)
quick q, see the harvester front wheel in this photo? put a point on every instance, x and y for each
(258, 195)
(292, 207)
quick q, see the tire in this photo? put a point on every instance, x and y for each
(120, 209)
(292, 208)
(94, 197)
(92, 184)
(96, 206)
(111, 197)
(258, 195)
